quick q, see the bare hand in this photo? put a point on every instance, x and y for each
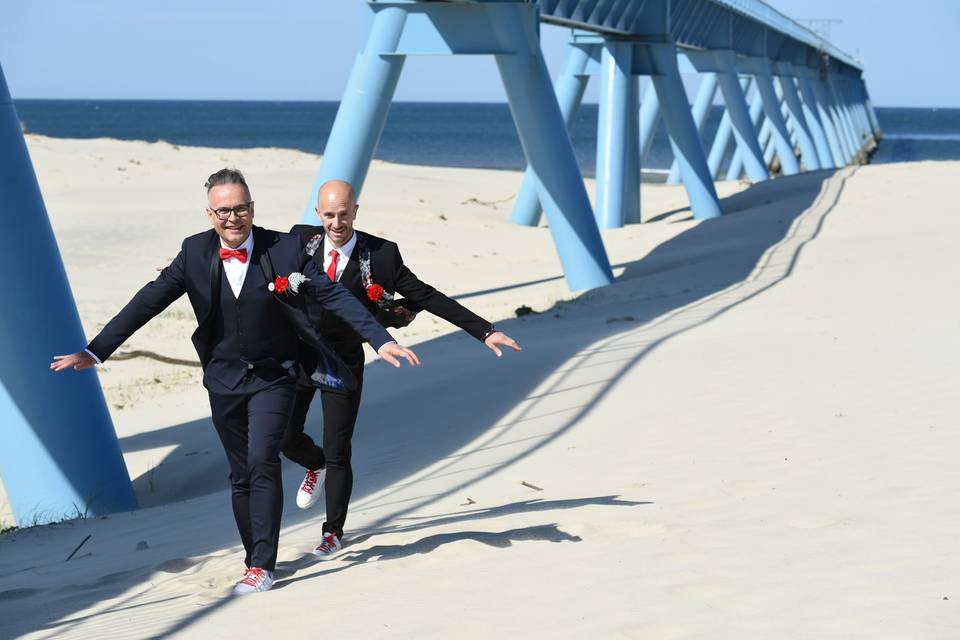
(78, 361)
(501, 339)
(392, 351)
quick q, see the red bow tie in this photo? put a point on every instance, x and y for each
(239, 254)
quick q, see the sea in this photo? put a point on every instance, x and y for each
(478, 135)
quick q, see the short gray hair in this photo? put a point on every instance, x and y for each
(225, 176)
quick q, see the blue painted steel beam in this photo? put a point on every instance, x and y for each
(649, 117)
(685, 139)
(771, 108)
(614, 142)
(735, 169)
(631, 177)
(813, 86)
(813, 120)
(840, 121)
(542, 133)
(804, 135)
(744, 124)
(363, 109)
(701, 107)
(570, 87)
(59, 455)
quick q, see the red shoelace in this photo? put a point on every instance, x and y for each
(253, 577)
(329, 543)
(310, 482)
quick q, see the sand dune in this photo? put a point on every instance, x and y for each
(749, 435)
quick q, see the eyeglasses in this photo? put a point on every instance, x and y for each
(241, 211)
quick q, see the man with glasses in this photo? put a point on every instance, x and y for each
(254, 338)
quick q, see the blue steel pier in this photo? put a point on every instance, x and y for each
(791, 100)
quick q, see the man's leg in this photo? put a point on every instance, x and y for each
(297, 446)
(339, 417)
(268, 412)
(229, 413)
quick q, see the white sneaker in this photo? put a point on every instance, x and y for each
(311, 488)
(254, 580)
(328, 546)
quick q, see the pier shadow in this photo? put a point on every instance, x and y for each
(415, 420)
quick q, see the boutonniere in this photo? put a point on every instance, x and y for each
(292, 283)
(375, 292)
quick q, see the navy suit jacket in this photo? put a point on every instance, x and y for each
(197, 271)
(394, 276)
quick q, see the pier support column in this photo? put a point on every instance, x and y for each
(736, 162)
(822, 103)
(721, 142)
(701, 107)
(570, 87)
(617, 138)
(685, 139)
(808, 149)
(744, 129)
(542, 132)
(631, 179)
(771, 108)
(59, 455)
(843, 127)
(363, 109)
(813, 121)
(649, 117)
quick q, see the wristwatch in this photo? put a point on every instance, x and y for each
(493, 329)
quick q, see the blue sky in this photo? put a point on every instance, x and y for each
(303, 49)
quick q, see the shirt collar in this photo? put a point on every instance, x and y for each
(247, 244)
(346, 250)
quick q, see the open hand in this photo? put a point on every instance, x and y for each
(78, 361)
(500, 339)
(392, 351)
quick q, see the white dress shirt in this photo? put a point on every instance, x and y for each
(235, 270)
(345, 252)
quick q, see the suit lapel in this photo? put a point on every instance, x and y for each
(213, 258)
(261, 255)
(350, 278)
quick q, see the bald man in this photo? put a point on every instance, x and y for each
(371, 269)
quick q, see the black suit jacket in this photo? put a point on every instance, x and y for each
(392, 274)
(197, 271)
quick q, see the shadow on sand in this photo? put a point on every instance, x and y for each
(678, 282)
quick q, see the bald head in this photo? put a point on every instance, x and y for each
(337, 209)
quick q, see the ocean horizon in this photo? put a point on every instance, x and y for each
(447, 134)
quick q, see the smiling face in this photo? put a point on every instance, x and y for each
(337, 207)
(232, 199)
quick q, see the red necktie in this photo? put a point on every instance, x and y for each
(239, 254)
(332, 269)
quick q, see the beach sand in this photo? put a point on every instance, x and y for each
(751, 434)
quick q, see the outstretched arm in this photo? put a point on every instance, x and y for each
(411, 287)
(147, 303)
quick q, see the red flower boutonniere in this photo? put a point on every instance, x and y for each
(375, 292)
(280, 285)
(287, 284)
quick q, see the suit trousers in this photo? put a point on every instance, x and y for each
(340, 410)
(251, 425)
